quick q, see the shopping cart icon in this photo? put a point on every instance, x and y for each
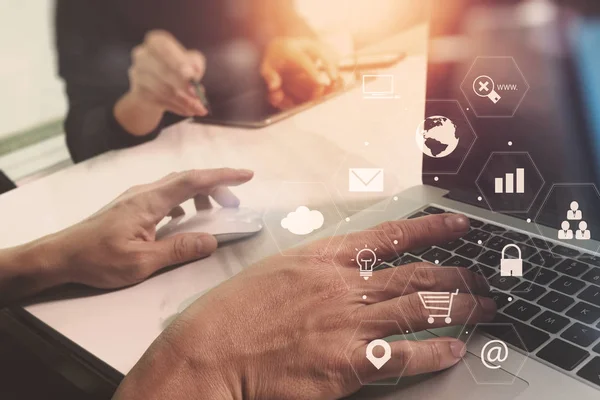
(441, 301)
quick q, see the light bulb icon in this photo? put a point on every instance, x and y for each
(366, 260)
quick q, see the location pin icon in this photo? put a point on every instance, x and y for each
(379, 362)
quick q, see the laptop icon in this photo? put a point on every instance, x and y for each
(378, 86)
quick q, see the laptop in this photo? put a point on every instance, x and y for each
(511, 138)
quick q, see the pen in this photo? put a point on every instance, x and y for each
(201, 93)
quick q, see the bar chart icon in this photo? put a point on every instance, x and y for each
(508, 184)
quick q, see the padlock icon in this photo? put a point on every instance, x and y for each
(511, 266)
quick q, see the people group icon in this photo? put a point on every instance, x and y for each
(574, 214)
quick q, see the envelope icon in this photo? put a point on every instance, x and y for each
(365, 180)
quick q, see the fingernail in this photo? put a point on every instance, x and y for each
(457, 223)
(488, 305)
(246, 172)
(458, 349)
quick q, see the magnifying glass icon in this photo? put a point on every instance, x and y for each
(484, 86)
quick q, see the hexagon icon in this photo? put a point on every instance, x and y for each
(370, 357)
(443, 300)
(570, 213)
(365, 267)
(510, 182)
(299, 211)
(367, 178)
(499, 248)
(445, 137)
(494, 87)
(492, 353)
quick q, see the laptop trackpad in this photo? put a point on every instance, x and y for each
(454, 383)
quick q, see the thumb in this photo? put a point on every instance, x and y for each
(183, 248)
(271, 77)
(412, 357)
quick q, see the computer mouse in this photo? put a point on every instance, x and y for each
(226, 224)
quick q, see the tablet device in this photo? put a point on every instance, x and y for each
(252, 109)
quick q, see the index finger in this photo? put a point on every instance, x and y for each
(318, 52)
(186, 185)
(304, 62)
(395, 237)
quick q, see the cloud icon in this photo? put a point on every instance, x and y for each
(303, 221)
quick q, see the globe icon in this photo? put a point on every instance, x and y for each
(436, 136)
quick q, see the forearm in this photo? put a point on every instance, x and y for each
(29, 269)
(137, 117)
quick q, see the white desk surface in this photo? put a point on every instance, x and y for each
(309, 148)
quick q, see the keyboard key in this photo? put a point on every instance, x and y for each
(563, 354)
(469, 250)
(475, 223)
(406, 259)
(477, 236)
(571, 267)
(493, 228)
(540, 244)
(458, 261)
(527, 267)
(436, 254)
(545, 259)
(491, 258)
(526, 251)
(516, 236)
(591, 294)
(590, 259)
(540, 275)
(581, 334)
(528, 291)
(434, 210)
(483, 270)
(501, 298)
(555, 301)
(522, 310)
(597, 348)
(504, 282)
(592, 276)
(453, 245)
(584, 312)
(417, 215)
(420, 251)
(567, 285)
(497, 243)
(591, 371)
(550, 322)
(565, 251)
(528, 339)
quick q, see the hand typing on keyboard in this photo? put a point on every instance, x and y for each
(554, 309)
(300, 326)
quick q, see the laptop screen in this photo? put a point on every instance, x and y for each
(513, 110)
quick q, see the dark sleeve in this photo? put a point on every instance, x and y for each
(94, 57)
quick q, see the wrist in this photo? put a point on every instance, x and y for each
(166, 370)
(28, 269)
(137, 115)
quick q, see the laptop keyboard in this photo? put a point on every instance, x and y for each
(555, 306)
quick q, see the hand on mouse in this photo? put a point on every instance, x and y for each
(287, 327)
(116, 247)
